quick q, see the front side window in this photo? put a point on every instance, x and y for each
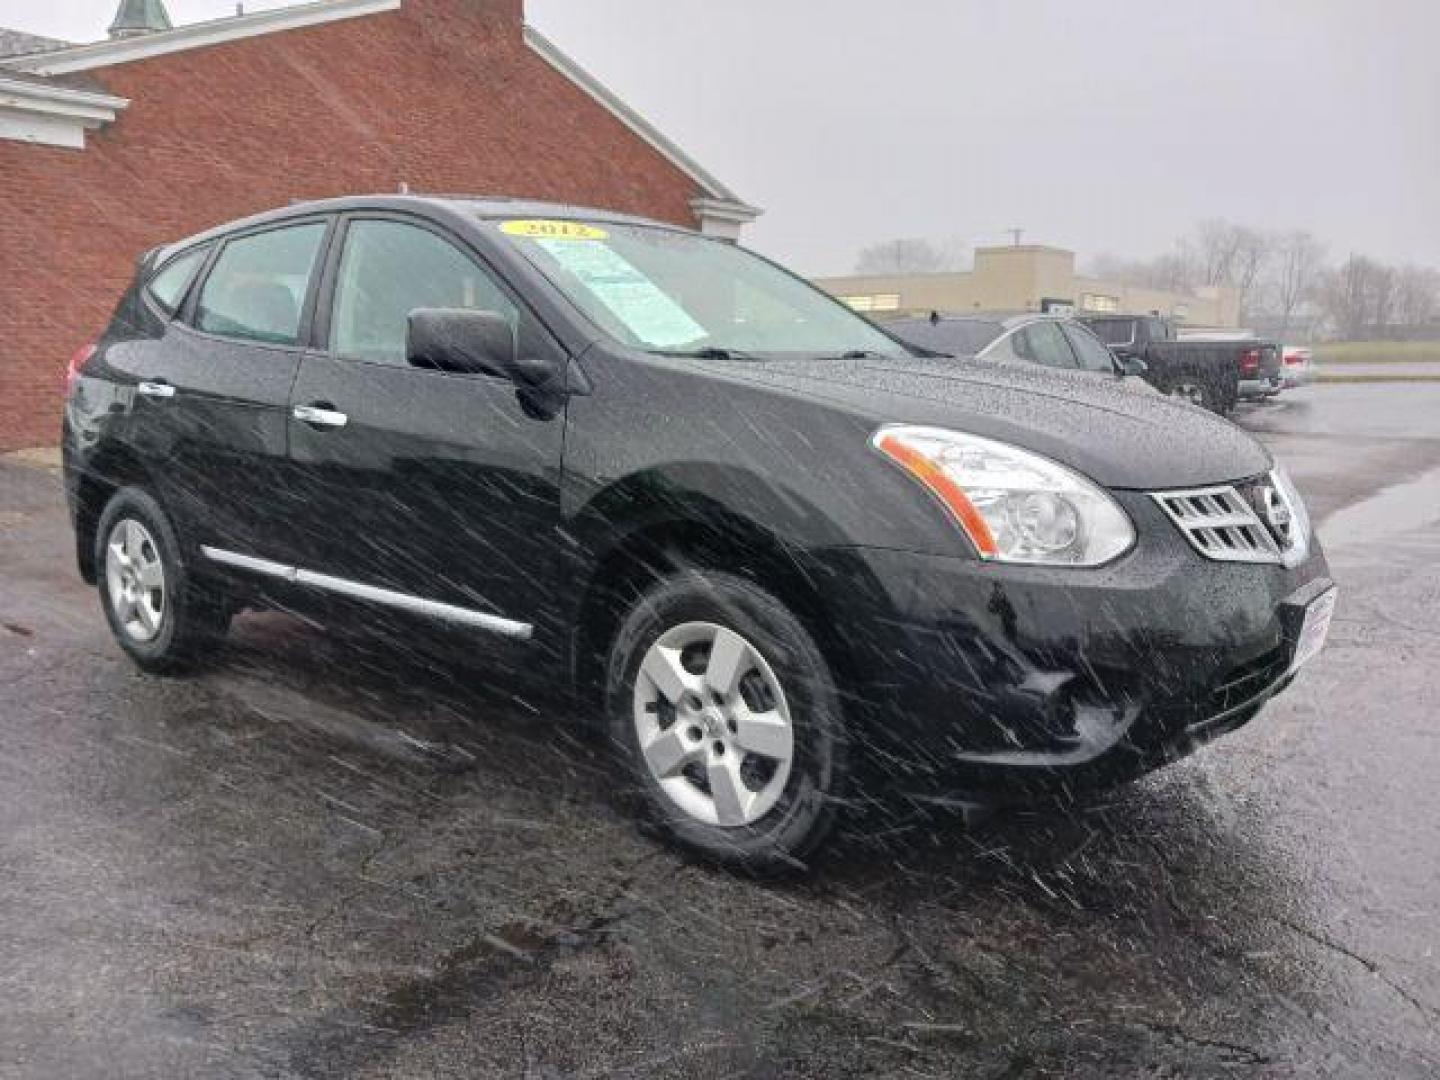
(389, 269)
(168, 287)
(256, 289)
(1043, 343)
(676, 293)
(1089, 353)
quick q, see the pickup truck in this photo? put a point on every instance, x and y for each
(1212, 374)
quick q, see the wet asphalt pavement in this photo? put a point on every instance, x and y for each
(320, 859)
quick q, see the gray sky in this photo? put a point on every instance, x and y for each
(1111, 125)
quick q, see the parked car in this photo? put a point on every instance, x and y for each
(1258, 386)
(1297, 366)
(769, 543)
(1025, 337)
(1211, 374)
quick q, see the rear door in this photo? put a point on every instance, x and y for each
(417, 487)
(224, 383)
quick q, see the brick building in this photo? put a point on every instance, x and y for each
(109, 149)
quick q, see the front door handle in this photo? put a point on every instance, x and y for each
(156, 389)
(319, 417)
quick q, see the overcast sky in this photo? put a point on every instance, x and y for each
(1109, 125)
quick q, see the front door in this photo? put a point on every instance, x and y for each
(428, 491)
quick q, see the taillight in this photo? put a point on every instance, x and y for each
(1294, 358)
(72, 371)
(1250, 361)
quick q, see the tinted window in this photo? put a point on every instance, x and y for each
(389, 269)
(1044, 343)
(1091, 355)
(1113, 331)
(1006, 348)
(960, 337)
(257, 286)
(168, 287)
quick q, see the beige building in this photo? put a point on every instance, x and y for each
(1026, 277)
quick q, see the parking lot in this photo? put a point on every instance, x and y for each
(320, 858)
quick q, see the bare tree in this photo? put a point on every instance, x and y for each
(1174, 271)
(1417, 295)
(1346, 296)
(900, 257)
(1217, 244)
(1298, 262)
(1252, 253)
(1382, 298)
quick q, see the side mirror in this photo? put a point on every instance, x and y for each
(1130, 365)
(475, 343)
(460, 340)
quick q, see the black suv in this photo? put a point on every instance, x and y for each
(770, 542)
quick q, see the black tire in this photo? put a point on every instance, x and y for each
(194, 617)
(805, 810)
(1226, 395)
(1195, 387)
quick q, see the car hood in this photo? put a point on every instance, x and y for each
(1092, 423)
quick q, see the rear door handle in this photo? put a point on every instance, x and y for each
(156, 389)
(318, 417)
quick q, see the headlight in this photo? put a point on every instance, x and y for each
(1014, 505)
(1294, 537)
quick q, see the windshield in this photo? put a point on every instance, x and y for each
(958, 337)
(668, 291)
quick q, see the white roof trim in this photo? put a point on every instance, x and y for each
(50, 115)
(193, 36)
(629, 117)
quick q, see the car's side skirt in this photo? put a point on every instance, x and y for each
(419, 605)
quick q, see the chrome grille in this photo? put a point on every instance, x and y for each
(1222, 524)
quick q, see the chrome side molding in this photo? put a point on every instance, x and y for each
(358, 590)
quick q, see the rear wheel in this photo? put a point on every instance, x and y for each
(1194, 387)
(160, 615)
(725, 714)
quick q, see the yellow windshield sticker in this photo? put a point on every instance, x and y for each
(554, 230)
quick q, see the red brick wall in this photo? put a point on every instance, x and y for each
(443, 95)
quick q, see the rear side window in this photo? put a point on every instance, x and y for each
(168, 287)
(388, 270)
(256, 289)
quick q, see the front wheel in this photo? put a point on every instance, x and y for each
(163, 619)
(726, 716)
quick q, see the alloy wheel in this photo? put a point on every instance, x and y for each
(135, 578)
(713, 724)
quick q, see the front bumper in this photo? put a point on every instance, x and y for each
(1008, 680)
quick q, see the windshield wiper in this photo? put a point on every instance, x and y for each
(708, 352)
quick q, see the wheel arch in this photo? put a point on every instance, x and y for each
(697, 534)
(104, 473)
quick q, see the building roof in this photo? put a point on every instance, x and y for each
(19, 43)
(716, 201)
(140, 17)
